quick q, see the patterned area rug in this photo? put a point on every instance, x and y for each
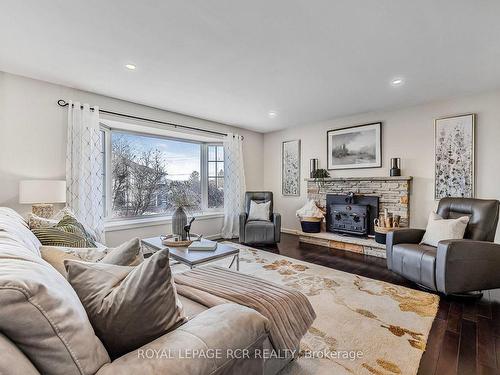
(363, 326)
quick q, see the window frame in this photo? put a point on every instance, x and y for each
(205, 210)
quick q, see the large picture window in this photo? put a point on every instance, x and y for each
(152, 175)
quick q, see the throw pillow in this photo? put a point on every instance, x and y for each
(68, 232)
(439, 229)
(35, 222)
(127, 254)
(127, 306)
(259, 211)
(56, 257)
(70, 224)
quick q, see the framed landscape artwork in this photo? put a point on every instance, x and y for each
(290, 168)
(454, 156)
(355, 147)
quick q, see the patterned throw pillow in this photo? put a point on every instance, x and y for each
(68, 232)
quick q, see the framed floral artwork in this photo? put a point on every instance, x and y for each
(454, 156)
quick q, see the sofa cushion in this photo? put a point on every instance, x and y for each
(13, 360)
(223, 331)
(128, 306)
(259, 231)
(42, 315)
(14, 228)
(416, 262)
(68, 232)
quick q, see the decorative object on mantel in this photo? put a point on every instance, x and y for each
(454, 156)
(395, 167)
(385, 223)
(319, 176)
(41, 194)
(355, 147)
(313, 166)
(310, 216)
(290, 168)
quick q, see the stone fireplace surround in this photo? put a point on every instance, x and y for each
(393, 193)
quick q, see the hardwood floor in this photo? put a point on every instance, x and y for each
(465, 336)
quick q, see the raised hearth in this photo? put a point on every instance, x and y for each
(335, 241)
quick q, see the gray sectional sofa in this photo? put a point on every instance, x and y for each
(44, 328)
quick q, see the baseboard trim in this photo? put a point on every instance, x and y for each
(289, 231)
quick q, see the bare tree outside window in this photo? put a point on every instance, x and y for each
(149, 175)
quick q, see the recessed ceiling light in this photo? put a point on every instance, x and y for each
(272, 114)
(130, 66)
(397, 82)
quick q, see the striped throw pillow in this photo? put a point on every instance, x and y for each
(57, 237)
(68, 232)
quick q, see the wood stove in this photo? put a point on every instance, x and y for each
(351, 214)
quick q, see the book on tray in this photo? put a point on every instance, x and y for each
(203, 245)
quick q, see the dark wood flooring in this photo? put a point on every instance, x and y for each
(465, 336)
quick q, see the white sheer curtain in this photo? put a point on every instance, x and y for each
(84, 167)
(234, 184)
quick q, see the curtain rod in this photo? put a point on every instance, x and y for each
(64, 103)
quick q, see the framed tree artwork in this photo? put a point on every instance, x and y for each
(355, 147)
(290, 168)
(454, 156)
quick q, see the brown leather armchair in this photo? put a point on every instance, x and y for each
(454, 266)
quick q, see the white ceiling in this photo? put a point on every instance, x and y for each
(233, 61)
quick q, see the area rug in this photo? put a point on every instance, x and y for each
(363, 326)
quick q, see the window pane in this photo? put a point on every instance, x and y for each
(211, 153)
(152, 175)
(211, 169)
(215, 194)
(220, 169)
(220, 183)
(220, 153)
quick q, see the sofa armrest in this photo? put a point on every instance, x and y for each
(277, 226)
(467, 265)
(243, 221)
(395, 237)
(210, 343)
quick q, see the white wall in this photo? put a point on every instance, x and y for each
(33, 141)
(406, 133)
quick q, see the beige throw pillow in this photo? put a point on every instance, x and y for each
(127, 254)
(259, 211)
(127, 306)
(439, 229)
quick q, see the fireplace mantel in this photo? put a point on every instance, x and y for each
(378, 178)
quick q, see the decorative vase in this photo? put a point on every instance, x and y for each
(395, 167)
(179, 221)
(313, 167)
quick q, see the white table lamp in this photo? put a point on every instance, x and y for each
(41, 194)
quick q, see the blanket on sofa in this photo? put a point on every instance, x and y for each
(290, 313)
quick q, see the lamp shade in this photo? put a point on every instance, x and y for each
(42, 191)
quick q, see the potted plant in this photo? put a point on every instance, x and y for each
(319, 176)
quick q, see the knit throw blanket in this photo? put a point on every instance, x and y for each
(289, 312)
